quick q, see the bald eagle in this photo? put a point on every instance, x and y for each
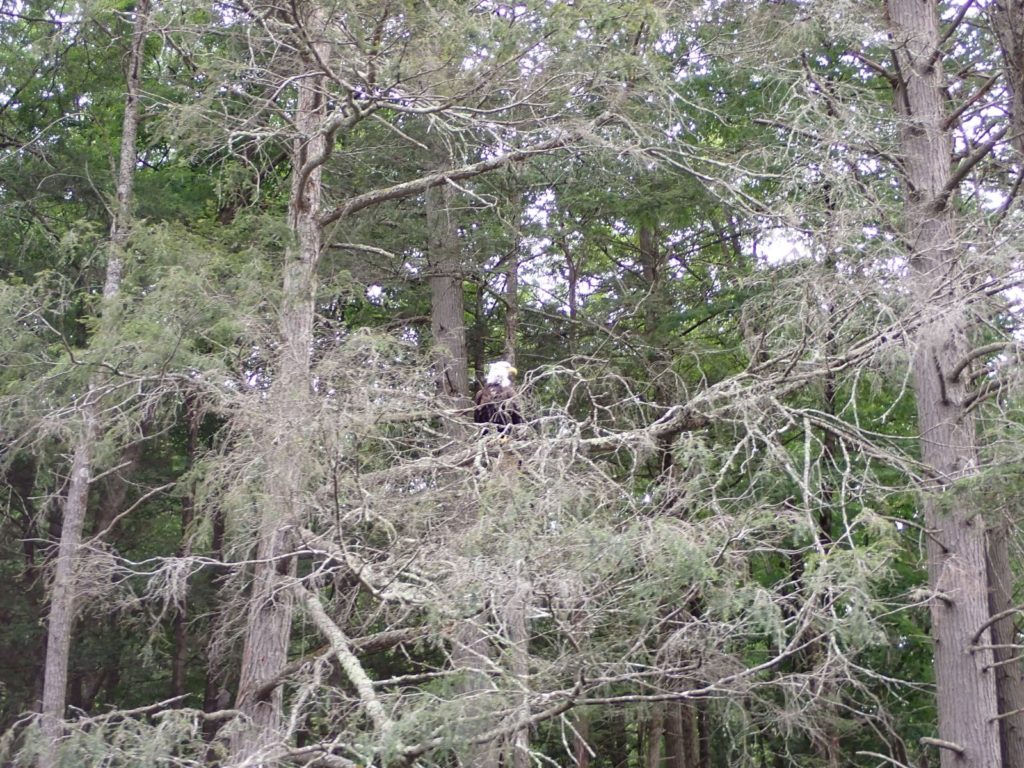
(495, 402)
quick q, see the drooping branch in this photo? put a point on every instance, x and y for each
(993, 619)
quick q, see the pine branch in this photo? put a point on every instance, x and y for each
(422, 184)
(966, 166)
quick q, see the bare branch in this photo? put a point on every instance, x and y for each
(941, 744)
(342, 649)
(422, 184)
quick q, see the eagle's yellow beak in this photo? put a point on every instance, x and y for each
(512, 370)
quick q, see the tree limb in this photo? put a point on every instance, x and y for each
(965, 167)
(928, 741)
(983, 351)
(417, 186)
(342, 649)
(381, 641)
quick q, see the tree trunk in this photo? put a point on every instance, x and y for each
(179, 659)
(1009, 681)
(682, 741)
(62, 597)
(512, 306)
(479, 335)
(655, 736)
(470, 651)
(518, 640)
(1007, 18)
(572, 279)
(447, 310)
(581, 741)
(268, 628)
(965, 685)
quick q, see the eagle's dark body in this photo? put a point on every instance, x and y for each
(496, 401)
(495, 404)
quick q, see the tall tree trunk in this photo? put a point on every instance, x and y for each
(682, 735)
(518, 637)
(581, 741)
(447, 308)
(268, 627)
(1009, 680)
(1007, 19)
(478, 337)
(675, 753)
(572, 280)
(63, 606)
(179, 659)
(471, 649)
(512, 305)
(965, 685)
(655, 736)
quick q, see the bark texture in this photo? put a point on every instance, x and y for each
(518, 637)
(655, 736)
(447, 307)
(511, 307)
(471, 651)
(268, 627)
(1009, 680)
(1007, 18)
(63, 607)
(965, 683)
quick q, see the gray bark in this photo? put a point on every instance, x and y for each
(965, 684)
(1007, 17)
(1009, 680)
(63, 604)
(447, 307)
(268, 627)
(581, 741)
(471, 650)
(518, 637)
(655, 736)
(511, 307)
(682, 742)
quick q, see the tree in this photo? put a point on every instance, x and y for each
(707, 236)
(63, 598)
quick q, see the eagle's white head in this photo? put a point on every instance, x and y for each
(501, 373)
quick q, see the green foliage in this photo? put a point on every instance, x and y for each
(766, 555)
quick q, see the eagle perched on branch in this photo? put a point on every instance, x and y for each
(495, 402)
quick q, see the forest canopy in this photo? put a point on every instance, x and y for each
(754, 270)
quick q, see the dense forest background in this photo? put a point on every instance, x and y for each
(758, 265)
